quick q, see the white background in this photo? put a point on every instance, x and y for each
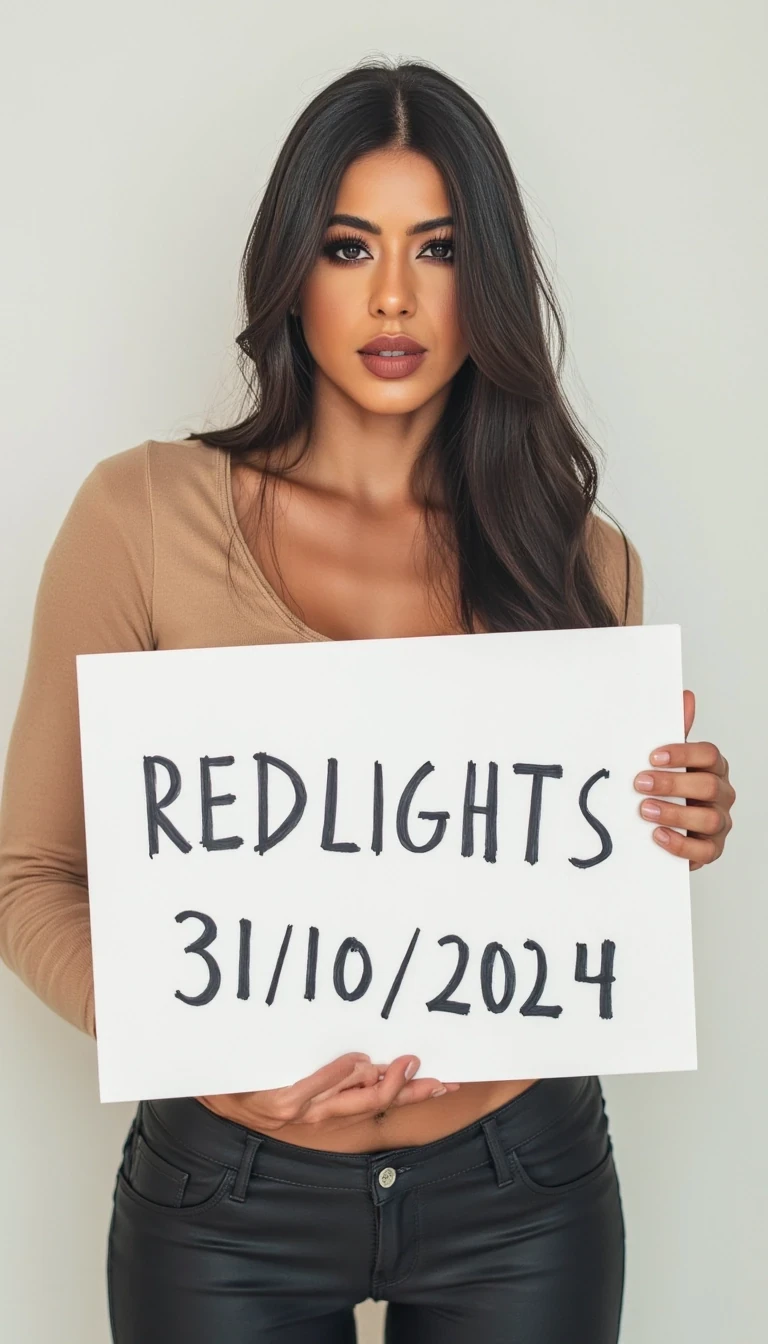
(137, 141)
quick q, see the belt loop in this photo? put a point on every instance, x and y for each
(250, 1148)
(498, 1156)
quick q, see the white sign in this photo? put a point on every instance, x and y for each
(427, 845)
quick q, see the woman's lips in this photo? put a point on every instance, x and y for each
(392, 366)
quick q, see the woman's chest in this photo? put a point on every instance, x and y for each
(353, 573)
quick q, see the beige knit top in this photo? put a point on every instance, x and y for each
(139, 562)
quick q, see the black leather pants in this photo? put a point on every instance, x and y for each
(509, 1231)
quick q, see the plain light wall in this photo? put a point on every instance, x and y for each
(137, 143)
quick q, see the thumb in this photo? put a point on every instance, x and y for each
(689, 710)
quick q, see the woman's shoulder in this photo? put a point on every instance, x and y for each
(153, 487)
(131, 500)
(618, 568)
(153, 463)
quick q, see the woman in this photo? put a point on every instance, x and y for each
(408, 466)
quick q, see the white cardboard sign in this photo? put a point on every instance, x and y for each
(426, 845)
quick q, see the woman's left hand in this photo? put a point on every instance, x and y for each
(709, 796)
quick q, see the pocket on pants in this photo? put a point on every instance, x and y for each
(158, 1173)
(570, 1152)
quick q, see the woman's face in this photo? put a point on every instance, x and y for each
(387, 282)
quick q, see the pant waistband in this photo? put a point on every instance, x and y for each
(192, 1125)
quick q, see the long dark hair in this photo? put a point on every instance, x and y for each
(517, 476)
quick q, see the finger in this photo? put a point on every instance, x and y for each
(399, 1073)
(397, 1090)
(359, 1102)
(692, 756)
(369, 1100)
(688, 846)
(422, 1089)
(700, 785)
(289, 1101)
(363, 1075)
(703, 820)
(689, 711)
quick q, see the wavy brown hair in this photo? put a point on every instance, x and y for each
(517, 477)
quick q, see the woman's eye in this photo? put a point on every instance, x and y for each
(346, 247)
(336, 245)
(442, 242)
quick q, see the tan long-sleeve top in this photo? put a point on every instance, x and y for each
(139, 562)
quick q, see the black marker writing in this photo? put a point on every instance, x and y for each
(532, 1007)
(492, 951)
(155, 816)
(377, 842)
(244, 961)
(208, 802)
(271, 992)
(471, 809)
(489, 811)
(593, 821)
(266, 841)
(494, 957)
(442, 1002)
(403, 807)
(604, 979)
(200, 946)
(329, 817)
(310, 983)
(398, 980)
(339, 967)
(539, 772)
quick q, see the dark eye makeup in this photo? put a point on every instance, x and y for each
(354, 240)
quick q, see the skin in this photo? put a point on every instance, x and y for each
(349, 557)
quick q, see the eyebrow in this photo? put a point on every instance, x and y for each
(423, 226)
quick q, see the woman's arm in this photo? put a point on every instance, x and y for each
(94, 596)
(611, 559)
(697, 828)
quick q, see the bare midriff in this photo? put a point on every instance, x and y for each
(406, 1126)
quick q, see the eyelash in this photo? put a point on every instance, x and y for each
(354, 240)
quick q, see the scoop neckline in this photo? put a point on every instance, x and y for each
(290, 617)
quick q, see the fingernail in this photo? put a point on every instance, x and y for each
(660, 757)
(411, 1068)
(438, 1092)
(662, 836)
(650, 809)
(644, 782)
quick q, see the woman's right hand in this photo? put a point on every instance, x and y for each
(347, 1090)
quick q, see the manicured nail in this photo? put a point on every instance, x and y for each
(662, 836)
(439, 1091)
(650, 809)
(644, 782)
(411, 1068)
(660, 757)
